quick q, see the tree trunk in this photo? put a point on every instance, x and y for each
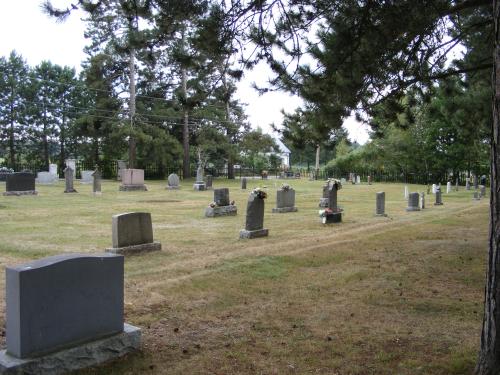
(229, 134)
(489, 356)
(185, 130)
(131, 142)
(45, 141)
(62, 137)
(318, 149)
(12, 151)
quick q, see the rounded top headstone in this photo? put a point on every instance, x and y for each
(173, 180)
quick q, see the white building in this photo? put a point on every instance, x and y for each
(284, 153)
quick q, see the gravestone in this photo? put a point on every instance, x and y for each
(434, 188)
(209, 182)
(45, 178)
(132, 233)
(173, 181)
(199, 184)
(448, 187)
(53, 170)
(406, 191)
(456, 185)
(476, 196)
(68, 178)
(71, 163)
(369, 178)
(413, 202)
(467, 183)
(86, 177)
(482, 191)
(285, 200)
(332, 214)
(96, 182)
(20, 183)
(244, 183)
(254, 225)
(428, 189)
(476, 182)
(121, 165)
(221, 206)
(323, 201)
(342, 181)
(353, 179)
(380, 205)
(483, 180)
(358, 179)
(65, 313)
(132, 180)
(439, 198)
(422, 200)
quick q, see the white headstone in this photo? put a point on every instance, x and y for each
(342, 181)
(448, 187)
(53, 169)
(45, 178)
(434, 188)
(406, 191)
(358, 179)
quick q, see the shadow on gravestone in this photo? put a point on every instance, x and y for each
(65, 313)
(132, 233)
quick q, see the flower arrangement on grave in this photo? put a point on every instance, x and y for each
(285, 187)
(336, 182)
(212, 204)
(259, 193)
(231, 203)
(325, 212)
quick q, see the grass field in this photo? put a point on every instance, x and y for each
(372, 295)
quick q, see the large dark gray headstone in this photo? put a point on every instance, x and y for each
(96, 183)
(20, 182)
(332, 196)
(413, 202)
(439, 200)
(61, 301)
(68, 178)
(255, 213)
(243, 183)
(221, 196)
(209, 182)
(380, 206)
(285, 201)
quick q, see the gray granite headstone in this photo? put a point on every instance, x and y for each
(439, 199)
(285, 201)
(45, 178)
(86, 177)
(56, 302)
(477, 196)
(369, 179)
(199, 174)
(132, 232)
(221, 197)
(96, 183)
(72, 164)
(413, 202)
(254, 226)
(223, 206)
(332, 196)
(380, 206)
(209, 182)
(482, 190)
(68, 178)
(467, 183)
(173, 181)
(243, 183)
(64, 313)
(20, 183)
(199, 184)
(120, 165)
(323, 202)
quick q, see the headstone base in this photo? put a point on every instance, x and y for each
(381, 215)
(70, 191)
(135, 249)
(79, 357)
(200, 186)
(334, 217)
(412, 208)
(172, 187)
(254, 233)
(438, 204)
(323, 202)
(24, 192)
(140, 187)
(281, 210)
(221, 211)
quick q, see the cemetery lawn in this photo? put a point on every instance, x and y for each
(373, 295)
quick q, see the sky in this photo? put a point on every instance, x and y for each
(36, 37)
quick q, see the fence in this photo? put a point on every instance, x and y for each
(153, 171)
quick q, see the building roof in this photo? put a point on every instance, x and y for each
(282, 146)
